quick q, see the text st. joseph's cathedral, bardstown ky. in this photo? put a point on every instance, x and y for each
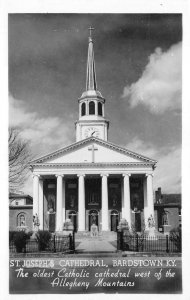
(92, 180)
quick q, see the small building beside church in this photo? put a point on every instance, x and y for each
(92, 181)
(167, 211)
(20, 212)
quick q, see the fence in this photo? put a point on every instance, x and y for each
(144, 243)
(56, 244)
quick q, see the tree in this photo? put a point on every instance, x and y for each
(19, 156)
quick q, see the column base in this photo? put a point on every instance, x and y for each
(81, 230)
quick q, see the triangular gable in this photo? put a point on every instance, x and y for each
(82, 152)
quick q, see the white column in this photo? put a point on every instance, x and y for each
(41, 202)
(126, 212)
(106, 132)
(146, 214)
(80, 115)
(150, 202)
(96, 108)
(59, 208)
(105, 226)
(36, 195)
(122, 199)
(63, 202)
(81, 203)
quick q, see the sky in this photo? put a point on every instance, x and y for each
(138, 66)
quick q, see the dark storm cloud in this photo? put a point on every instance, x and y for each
(58, 43)
(41, 35)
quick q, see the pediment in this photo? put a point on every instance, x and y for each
(92, 150)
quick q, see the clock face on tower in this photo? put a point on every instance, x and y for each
(91, 131)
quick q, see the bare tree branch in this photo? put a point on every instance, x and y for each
(19, 157)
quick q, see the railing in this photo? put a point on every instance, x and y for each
(56, 244)
(145, 243)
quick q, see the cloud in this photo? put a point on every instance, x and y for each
(159, 87)
(168, 170)
(45, 134)
(138, 146)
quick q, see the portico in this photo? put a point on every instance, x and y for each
(99, 196)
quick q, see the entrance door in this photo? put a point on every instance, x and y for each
(138, 221)
(93, 218)
(114, 220)
(93, 194)
(73, 218)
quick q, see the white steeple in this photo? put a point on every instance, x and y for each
(92, 120)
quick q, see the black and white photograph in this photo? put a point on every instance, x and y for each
(95, 153)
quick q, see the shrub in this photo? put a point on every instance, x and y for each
(123, 225)
(29, 233)
(43, 237)
(175, 237)
(20, 238)
(11, 236)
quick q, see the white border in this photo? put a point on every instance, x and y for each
(93, 6)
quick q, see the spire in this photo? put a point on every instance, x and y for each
(91, 72)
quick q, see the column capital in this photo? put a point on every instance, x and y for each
(83, 175)
(149, 174)
(104, 174)
(36, 175)
(57, 175)
(126, 174)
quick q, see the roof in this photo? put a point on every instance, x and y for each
(29, 206)
(17, 196)
(87, 141)
(169, 200)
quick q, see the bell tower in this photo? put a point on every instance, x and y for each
(91, 120)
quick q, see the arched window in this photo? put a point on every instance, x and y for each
(91, 108)
(83, 109)
(99, 109)
(21, 219)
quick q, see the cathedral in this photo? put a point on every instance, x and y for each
(92, 181)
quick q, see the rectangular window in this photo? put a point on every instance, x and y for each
(51, 186)
(72, 185)
(114, 185)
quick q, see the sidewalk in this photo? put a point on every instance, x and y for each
(94, 245)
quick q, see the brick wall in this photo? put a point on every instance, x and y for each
(173, 217)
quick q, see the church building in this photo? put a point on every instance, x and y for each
(92, 181)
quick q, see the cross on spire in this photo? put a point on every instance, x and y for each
(90, 30)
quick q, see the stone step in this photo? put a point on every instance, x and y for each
(101, 234)
(95, 254)
(108, 233)
(82, 234)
